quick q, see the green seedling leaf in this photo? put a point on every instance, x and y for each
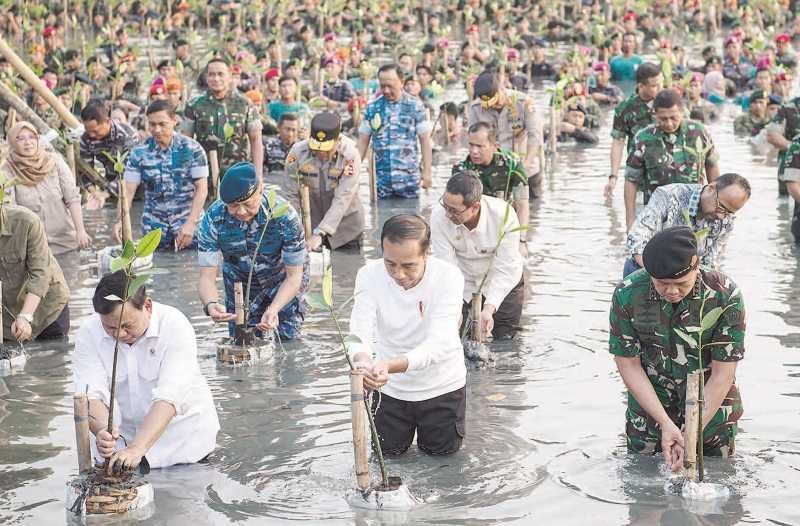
(280, 210)
(327, 286)
(271, 198)
(701, 234)
(316, 301)
(710, 318)
(136, 283)
(148, 244)
(119, 263)
(128, 250)
(227, 131)
(352, 338)
(520, 228)
(687, 217)
(688, 339)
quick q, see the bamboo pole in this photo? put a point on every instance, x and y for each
(238, 305)
(445, 128)
(37, 85)
(80, 405)
(475, 310)
(69, 154)
(373, 189)
(691, 425)
(124, 213)
(358, 413)
(305, 206)
(213, 160)
(553, 138)
(1, 314)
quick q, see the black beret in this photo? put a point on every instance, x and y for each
(669, 254)
(486, 85)
(239, 183)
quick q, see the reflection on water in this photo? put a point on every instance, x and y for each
(545, 420)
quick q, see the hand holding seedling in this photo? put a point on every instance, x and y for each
(21, 329)
(672, 446)
(487, 320)
(125, 459)
(107, 442)
(185, 236)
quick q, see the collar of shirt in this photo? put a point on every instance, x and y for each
(154, 146)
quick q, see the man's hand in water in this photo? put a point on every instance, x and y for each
(672, 446)
(125, 459)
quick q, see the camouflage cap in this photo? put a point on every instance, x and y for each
(670, 253)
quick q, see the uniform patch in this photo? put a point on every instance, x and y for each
(291, 158)
(349, 168)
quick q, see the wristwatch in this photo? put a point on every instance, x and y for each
(25, 316)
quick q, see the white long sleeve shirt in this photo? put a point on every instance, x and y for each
(420, 323)
(160, 365)
(471, 250)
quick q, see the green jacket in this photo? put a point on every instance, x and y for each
(630, 116)
(505, 172)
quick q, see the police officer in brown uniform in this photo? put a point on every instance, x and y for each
(513, 117)
(329, 164)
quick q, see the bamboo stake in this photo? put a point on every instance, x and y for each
(124, 213)
(553, 138)
(445, 128)
(373, 189)
(213, 160)
(12, 117)
(691, 425)
(358, 414)
(305, 205)
(37, 85)
(69, 153)
(1, 313)
(80, 405)
(238, 303)
(475, 309)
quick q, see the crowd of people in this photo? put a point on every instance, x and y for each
(306, 97)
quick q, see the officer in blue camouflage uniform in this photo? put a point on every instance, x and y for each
(394, 122)
(230, 230)
(174, 171)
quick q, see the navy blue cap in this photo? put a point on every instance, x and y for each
(238, 183)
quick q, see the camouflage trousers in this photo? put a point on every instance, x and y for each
(170, 228)
(397, 183)
(643, 434)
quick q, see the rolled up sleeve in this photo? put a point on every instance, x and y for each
(208, 251)
(37, 261)
(293, 249)
(507, 269)
(179, 369)
(363, 317)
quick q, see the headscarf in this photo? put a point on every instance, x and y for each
(713, 86)
(32, 169)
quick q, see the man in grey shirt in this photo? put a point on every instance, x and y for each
(708, 210)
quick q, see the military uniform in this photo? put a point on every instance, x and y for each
(791, 172)
(504, 174)
(205, 118)
(339, 91)
(746, 124)
(275, 153)
(168, 176)
(515, 124)
(643, 325)
(336, 209)
(787, 123)
(223, 239)
(630, 116)
(660, 158)
(394, 127)
(121, 138)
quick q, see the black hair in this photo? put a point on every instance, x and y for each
(391, 67)
(491, 134)
(647, 71)
(284, 78)
(667, 98)
(730, 179)
(403, 227)
(450, 108)
(114, 284)
(95, 110)
(288, 116)
(468, 185)
(160, 105)
(220, 60)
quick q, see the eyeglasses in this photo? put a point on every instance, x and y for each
(449, 210)
(722, 208)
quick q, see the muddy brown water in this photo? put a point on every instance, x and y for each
(544, 427)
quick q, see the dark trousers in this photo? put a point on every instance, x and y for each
(796, 222)
(57, 329)
(506, 318)
(440, 423)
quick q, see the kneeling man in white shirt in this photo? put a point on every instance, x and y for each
(406, 315)
(164, 410)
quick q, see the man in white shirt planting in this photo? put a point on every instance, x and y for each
(466, 230)
(164, 409)
(405, 317)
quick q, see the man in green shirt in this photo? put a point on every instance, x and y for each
(648, 308)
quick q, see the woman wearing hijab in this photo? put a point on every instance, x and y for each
(37, 178)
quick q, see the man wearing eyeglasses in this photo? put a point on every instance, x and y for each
(465, 231)
(513, 117)
(709, 210)
(242, 230)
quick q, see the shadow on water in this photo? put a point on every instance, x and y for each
(544, 422)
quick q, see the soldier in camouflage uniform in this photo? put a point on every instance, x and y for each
(630, 116)
(277, 147)
(103, 135)
(791, 177)
(648, 307)
(756, 118)
(223, 119)
(174, 171)
(394, 123)
(499, 169)
(780, 132)
(230, 230)
(660, 156)
(329, 165)
(513, 117)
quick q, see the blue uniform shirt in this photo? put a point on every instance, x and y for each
(221, 238)
(394, 127)
(168, 176)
